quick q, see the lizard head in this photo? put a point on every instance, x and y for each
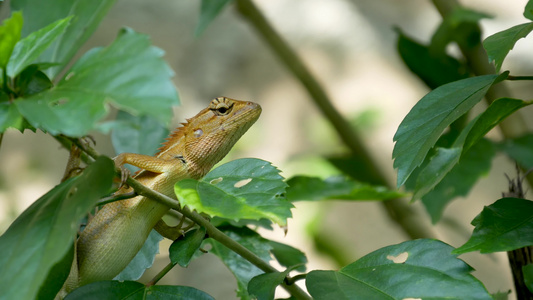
(207, 137)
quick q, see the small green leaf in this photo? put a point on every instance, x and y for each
(426, 121)
(132, 290)
(183, 249)
(434, 68)
(242, 269)
(208, 12)
(129, 74)
(505, 225)
(30, 48)
(528, 10)
(32, 81)
(528, 276)
(263, 286)
(473, 164)
(44, 233)
(288, 256)
(9, 36)
(241, 189)
(335, 188)
(143, 260)
(495, 113)
(87, 16)
(499, 44)
(440, 164)
(419, 269)
(519, 149)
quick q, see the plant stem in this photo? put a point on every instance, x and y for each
(161, 274)
(412, 222)
(510, 77)
(211, 230)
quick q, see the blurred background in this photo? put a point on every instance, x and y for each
(350, 46)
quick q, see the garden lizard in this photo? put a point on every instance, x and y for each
(118, 230)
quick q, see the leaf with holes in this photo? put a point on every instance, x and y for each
(505, 225)
(419, 269)
(246, 188)
(424, 124)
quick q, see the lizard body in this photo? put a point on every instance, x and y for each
(117, 232)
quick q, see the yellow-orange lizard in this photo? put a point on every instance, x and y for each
(117, 232)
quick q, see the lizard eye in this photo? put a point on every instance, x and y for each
(221, 109)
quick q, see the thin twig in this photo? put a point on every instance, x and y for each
(161, 274)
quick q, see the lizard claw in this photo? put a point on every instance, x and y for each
(124, 174)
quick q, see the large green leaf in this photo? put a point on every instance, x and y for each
(419, 269)
(42, 235)
(9, 116)
(434, 68)
(459, 181)
(426, 121)
(9, 36)
(335, 188)
(132, 290)
(247, 188)
(528, 276)
(29, 48)
(495, 113)
(208, 12)
(505, 225)
(519, 149)
(129, 74)
(499, 44)
(38, 14)
(242, 269)
(143, 260)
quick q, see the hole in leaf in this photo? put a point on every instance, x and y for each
(59, 102)
(399, 259)
(216, 180)
(242, 183)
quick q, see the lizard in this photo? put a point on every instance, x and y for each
(119, 229)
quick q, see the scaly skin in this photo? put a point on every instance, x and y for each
(119, 229)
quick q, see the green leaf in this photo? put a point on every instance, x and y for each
(335, 188)
(138, 134)
(263, 286)
(44, 233)
(242, 269)
(519, 149)
(132, 290)
(528, 276)
(528, 10)
(246, 188)
(182, 250)
(9, 35)
(29, 48)
(288, 256)
(495, 113)
(434, 68)
(129, 74)
(426, 121)
(143, 260)
(499, 44)
(438, 167)
(32, 81)
(9, 116)
(87, 16)
(208, 12)
(473, 164)
(505, 225)
(419, 269)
